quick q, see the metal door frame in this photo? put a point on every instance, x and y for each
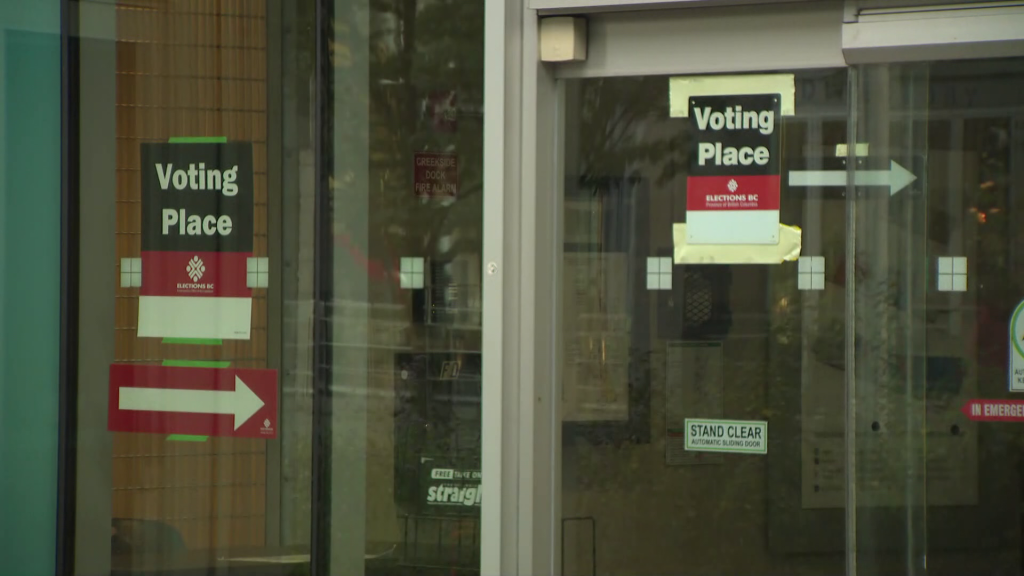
(620, 43)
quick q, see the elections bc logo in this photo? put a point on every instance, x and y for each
(266, 429)
(195, 268)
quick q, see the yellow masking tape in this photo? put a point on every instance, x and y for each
(787, 250)
(682, 88)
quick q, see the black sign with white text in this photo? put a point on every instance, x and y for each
(197, 197)
(736, 135)
(732, 191)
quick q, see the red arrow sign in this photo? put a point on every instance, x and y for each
(994, 410)
(198, 401)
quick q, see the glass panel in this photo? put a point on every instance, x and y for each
(652, 343)
(194, 412)
(886, 401)
(281, 355)
(975, 181)
(954, 247)
(30, 283)
(401, 286)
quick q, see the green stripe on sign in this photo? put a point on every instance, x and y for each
(186, 438)
(197, 139)
(197, 363)
(193, 364)
(194, 341)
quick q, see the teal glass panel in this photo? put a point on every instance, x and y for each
(30, 179)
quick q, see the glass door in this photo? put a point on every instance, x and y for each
(703, 341)
(839, 398)
(937, 448)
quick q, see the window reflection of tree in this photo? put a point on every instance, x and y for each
(622, 131)
(628, 148)
(418, 50)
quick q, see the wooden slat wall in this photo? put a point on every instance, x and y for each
(190, 68)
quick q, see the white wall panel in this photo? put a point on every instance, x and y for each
(706, 40)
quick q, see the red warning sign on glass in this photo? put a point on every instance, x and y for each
(985, 410)
(436, 175)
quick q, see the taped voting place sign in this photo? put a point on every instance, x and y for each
(197, 238)
(732, 192)
(734, 436)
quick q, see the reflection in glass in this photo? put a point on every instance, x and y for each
(369, 306)
(403, 156)
(973, 181)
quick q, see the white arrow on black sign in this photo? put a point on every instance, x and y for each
(896, 178)
(242, 402)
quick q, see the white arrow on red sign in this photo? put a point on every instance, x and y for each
(195, 401)
(242, 403)
(980, 410)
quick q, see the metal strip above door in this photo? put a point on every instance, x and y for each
(790, 36)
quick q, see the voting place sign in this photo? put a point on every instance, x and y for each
(732, 191)
(730, 436)
(197, 239)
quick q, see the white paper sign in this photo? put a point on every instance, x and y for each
(733, 436)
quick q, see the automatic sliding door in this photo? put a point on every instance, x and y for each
(939, 283)
(702, 394)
